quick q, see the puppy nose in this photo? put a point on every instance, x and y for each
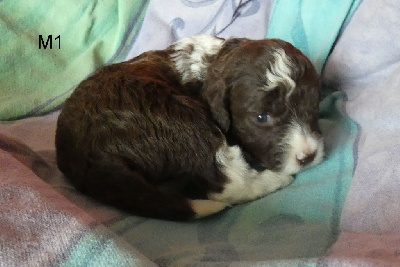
(304, 159)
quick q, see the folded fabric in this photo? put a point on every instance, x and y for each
(39, 227)
(49, 47)
(312, 26)
(168, 21)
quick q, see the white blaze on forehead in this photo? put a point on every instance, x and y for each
(190, 61)
(279, 71)
(299, 143)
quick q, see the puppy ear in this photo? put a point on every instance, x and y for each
(215, 90)
(214, 93)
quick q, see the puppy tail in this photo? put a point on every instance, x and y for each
(127, 190)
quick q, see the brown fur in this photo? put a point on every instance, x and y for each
(130, 131)
(133, 136)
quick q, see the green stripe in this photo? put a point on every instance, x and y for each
(312, 26)
(33, 80)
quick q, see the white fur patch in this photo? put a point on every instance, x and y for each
(190, 63)
(205, 207)
(245, 183)
(301, 142)
(279, 72)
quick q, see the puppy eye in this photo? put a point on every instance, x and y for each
(263, 118)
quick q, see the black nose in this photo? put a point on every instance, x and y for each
(306, 159)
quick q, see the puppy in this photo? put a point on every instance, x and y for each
(185, 132)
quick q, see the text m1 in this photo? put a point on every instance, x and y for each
(49, 42)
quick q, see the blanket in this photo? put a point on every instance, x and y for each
(50, 47)
(39, 227)
(311, 27)
(344, 211)
(365, 65)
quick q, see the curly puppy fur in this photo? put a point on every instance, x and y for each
(187, 131)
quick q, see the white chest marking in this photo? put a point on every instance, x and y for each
(245, 183)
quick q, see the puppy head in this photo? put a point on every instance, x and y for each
(265, 95)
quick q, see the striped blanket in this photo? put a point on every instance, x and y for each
(344, 211)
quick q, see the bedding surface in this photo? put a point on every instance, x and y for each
(38, 74)
(365, 65)
(343, 212)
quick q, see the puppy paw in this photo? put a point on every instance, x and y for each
(205, 207)
(252, 187)
(284, 180)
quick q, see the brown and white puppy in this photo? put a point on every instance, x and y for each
(187, 131)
